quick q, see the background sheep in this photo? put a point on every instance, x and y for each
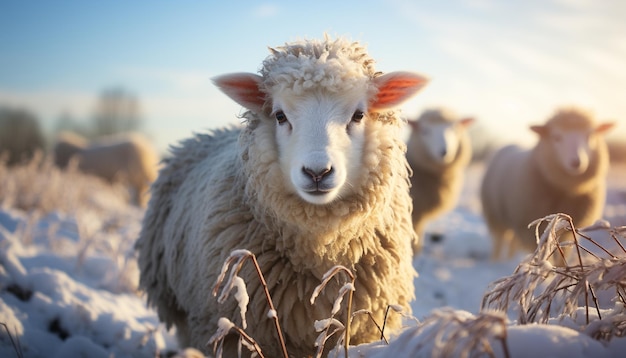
(564, 173)
(317, 178)
(66, 147)
(439, 150)
(128, 158)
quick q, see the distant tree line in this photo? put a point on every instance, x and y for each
(117, 111)
(21, 135)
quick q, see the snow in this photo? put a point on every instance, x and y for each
(68, 288)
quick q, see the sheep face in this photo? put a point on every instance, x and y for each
(320, 138)
(441, 139)
(320, 133)
(572, 147)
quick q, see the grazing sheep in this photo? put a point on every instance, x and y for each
(67, 146)
(129, 158)
(438, 151)
(564, 173)
(318, 177)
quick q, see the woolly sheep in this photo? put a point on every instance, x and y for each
(317, 178)
(438, 151)
(565, 172)
(129, 158)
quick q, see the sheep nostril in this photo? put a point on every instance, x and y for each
(575, 163)
(317, 175)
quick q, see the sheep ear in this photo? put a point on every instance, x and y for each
(243, 88)
(541, 130)
(467, 121)
(413, 123)
(396, 87)
(604, 128)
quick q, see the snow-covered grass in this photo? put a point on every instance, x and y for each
(68, 281)
(68, 272)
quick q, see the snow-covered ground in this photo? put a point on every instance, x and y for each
(68, 287)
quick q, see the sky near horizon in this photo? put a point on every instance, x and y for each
(507, 63)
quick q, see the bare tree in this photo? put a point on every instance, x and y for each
(20, 135)
(66, 122)
(117, 111)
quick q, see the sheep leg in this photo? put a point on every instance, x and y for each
(502, 240)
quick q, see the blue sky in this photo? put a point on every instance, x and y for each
(508, 63)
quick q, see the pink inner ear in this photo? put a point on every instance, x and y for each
(396, 87)
(604, 127)
(541, 130)
(466, 122)
(243, 88)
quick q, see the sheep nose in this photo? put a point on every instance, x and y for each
(317, 174)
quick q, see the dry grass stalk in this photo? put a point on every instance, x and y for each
(460, 334)
(369, 314)
(541, 291)
(38, 185)
(224, 327)
(17, 347)
(237, 259)
(325, 325)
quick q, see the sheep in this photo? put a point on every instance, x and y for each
(317, 177)
(128, 158)
(67, 146)
(438, 151)
(565, 172)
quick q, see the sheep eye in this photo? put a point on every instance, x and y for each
(357, 116)
(280, 117)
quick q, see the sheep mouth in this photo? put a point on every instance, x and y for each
(317, 192)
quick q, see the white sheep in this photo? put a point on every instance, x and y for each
(565, 172)
(129, 158)
(438, 151)
(317, 178)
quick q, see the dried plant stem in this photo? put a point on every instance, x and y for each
(591, 270)
(347, 287)
(348, 320)
(279, 331)
(238, 258)
(250, 340)
(17, 347)
(381, 330)
(505, 345)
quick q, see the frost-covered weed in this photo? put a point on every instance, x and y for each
(540, 291)
(73, 212)
(225, 326)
